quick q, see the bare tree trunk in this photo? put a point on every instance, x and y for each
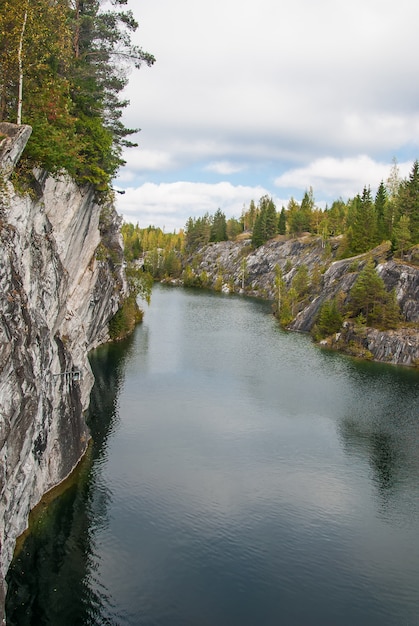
(19, 56)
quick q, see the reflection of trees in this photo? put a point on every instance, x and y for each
(383, 426)
(49, 581)
(381, 448)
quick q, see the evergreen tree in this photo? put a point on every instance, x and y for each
(330, 318)
(402, 234)
(369, 297)
(265, 226)
(282, 222)
(408, 200)
(362, 236)
(218, 227)
(258, 238)
(380, 212)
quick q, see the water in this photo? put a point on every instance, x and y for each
(239, 476)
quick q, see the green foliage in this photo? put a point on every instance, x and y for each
(402, 234)
(218, 231)
(282, 222)
(330, 319)
(363, 224)
(74, 61)
(369, 297)
(193, 279)
(197, 232)
(300, 281)
(266, 222)
(140, 283)
(300, 216)
(125, 319)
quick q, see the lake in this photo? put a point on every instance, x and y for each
(239, 475)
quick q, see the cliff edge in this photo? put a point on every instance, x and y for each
(57, 296)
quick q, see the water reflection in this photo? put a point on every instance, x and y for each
(58, 555)
(239, 476)
(383, 429)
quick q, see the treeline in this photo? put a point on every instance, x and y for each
(161, 252)
(363, 221)
(63, 66)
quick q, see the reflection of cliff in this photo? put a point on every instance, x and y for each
(47, 581)
(56, 299)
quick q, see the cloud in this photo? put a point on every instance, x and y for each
(334, 178)
(224, 167)
(264, 97)
(169, 205)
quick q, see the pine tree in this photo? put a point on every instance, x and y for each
(282, 222)
(363, 223)
(402, 234)
(330, 318)
(408, 201)
(380, 212)
(368, 295)
(218, 227)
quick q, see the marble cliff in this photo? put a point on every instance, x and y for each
(57, 295)
(239, 268)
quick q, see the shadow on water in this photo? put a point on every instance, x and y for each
(56, 555)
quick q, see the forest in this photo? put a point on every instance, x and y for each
(361, 223)
(356, 226)
(63, 66)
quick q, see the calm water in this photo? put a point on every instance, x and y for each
(239, 476)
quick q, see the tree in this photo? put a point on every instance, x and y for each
(282, 222)
(362, 223)
(218, 227)
(63, 64)
(265, 226)
(330, 318)
(197, 232)
(408, 200)
(369, 297)
(402, 234)
(380, 212)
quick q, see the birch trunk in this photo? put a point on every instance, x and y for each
(19, 56)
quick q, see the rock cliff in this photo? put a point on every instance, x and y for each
(237, 267)
(57, 297)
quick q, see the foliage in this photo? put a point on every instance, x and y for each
(70, 58)
(125, 319)
(370, 298)
(266, 222)
(157, 251)
(330, 319)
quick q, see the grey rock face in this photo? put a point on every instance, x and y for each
(55, 303)
(244, 270)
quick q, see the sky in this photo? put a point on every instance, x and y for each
(248, 98)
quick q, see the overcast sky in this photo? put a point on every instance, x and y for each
(267, 97)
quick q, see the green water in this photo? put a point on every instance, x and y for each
(239, 475)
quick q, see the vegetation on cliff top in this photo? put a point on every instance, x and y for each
(387, 224)
(63, 66)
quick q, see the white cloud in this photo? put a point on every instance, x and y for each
(224, 167)
(334, 178)
(169, 205)
(292, 91)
